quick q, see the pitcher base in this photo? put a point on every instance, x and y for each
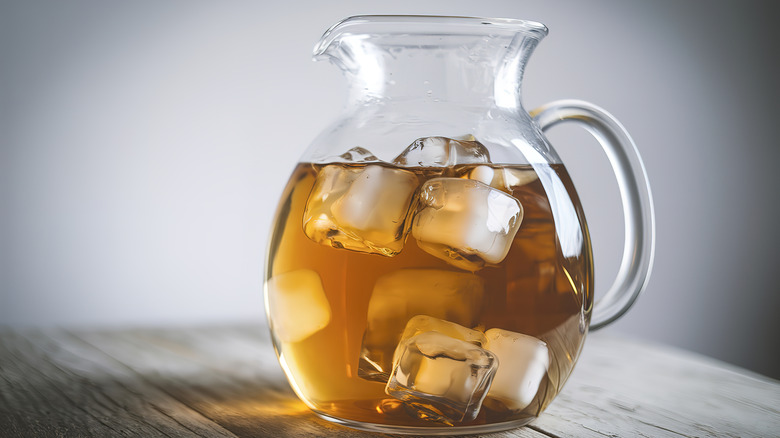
(433, 430)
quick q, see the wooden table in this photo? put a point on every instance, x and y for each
(226, 382)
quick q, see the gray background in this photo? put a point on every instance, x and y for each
(144, 145)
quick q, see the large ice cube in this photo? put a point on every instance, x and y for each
(442, 152)
(442, 378)
(505, 179)
(402, 294)
(298, 305)
(466, 222)
(362, 208)
(424, 323)
(524, 361)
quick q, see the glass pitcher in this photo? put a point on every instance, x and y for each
(429, 269)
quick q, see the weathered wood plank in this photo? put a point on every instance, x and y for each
(628, 388)
(229, 375)
(53, 384)
(219, 373)
(221, 382)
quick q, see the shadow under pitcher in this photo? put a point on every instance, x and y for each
(429, 269)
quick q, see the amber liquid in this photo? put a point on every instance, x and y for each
(543, 288)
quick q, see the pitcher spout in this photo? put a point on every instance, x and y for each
(439, 58)
(434, 25)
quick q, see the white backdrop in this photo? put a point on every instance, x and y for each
(144, 144)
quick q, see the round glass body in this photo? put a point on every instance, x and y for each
(429, 268)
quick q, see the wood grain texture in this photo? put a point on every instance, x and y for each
(226, 382)
(53, 384)
(629, 388)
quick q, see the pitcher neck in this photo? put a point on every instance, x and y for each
(432, 60)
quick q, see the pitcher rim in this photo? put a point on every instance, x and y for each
(532, 28)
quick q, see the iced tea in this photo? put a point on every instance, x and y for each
(353, 292)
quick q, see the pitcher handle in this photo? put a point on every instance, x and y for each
(639, 246)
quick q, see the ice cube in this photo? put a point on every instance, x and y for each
(505, 179)
(355, 155)
(510, 177)
(465, 137)
(363, 208)
(424, 323)
(297, 303)
(358, 155)
(465, 222)
(536, 246)
(442, 378)
(524, 361)
(402, 294)
(483, 174)
(442, 152)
